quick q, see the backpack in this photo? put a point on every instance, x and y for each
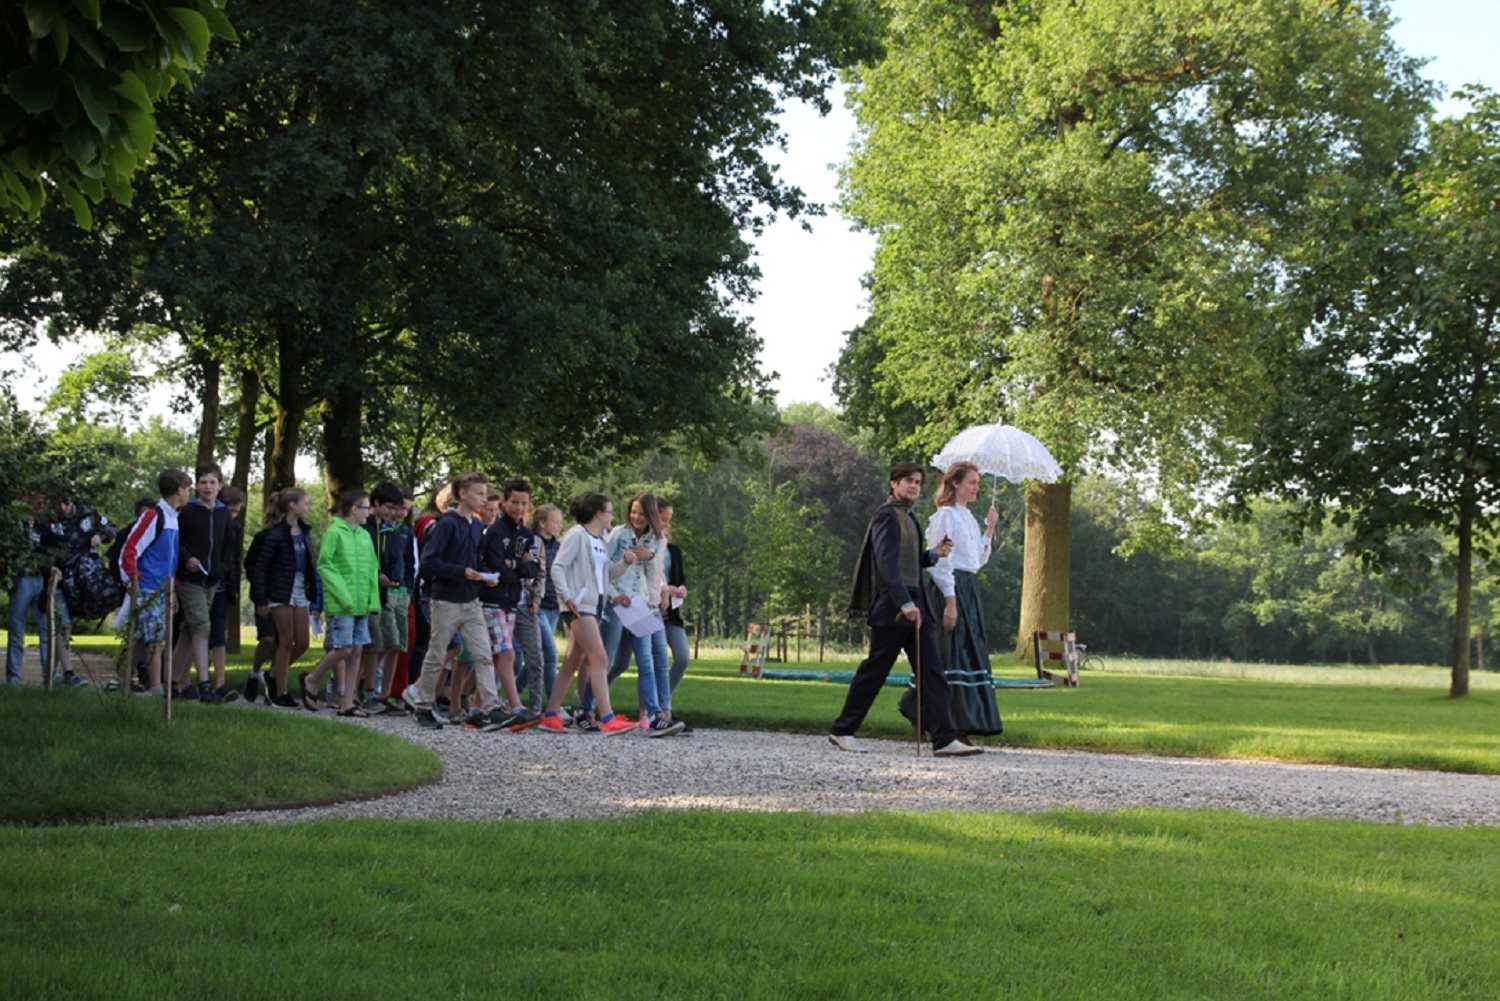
(91, 588)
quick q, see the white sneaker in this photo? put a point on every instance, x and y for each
(409, 696)
(846, 743)
(956, 749)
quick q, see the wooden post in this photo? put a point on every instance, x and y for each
(49, 662)
(166, 656)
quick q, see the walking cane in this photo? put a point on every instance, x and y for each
(166, 669)
(49, 663)
(124, 665)
(919, 682)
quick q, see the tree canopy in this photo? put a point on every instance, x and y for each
(83, 81)
(531, 217)
(1386, 418)
(1084, 212)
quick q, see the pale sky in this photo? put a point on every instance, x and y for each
(810, 291)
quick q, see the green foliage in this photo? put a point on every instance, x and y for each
(1083, 210)
(1385, 420)
(790, 557)
(83, 83)
(103, 388)
(36, 468)
(498, 211)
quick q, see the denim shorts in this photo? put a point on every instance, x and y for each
(345, 631)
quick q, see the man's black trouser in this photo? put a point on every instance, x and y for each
(886, 643)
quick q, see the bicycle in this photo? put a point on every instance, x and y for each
(1088, 661)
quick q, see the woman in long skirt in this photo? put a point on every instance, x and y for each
(966, 655)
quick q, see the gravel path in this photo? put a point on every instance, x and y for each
(534, 774)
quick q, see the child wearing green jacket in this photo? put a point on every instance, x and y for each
(351, 594)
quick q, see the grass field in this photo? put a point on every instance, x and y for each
(1144, 905)
(1140, 904)
(82, 755)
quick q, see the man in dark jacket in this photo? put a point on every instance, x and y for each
(203, 561)
(506, 551)
(450, 564)
(386, 503)
(888, 583)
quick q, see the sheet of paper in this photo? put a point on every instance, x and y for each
(638, 618)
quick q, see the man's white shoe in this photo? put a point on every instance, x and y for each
(846, 743)
(956, 749)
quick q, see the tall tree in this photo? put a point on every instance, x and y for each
(1387, 419)
(1082, 213)
(532, 215)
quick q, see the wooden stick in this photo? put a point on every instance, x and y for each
(49, 663)
(166, 663)
(919, 682)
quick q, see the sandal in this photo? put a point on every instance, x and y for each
(309, 699)
(354, 712)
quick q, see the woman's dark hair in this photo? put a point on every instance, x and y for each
(587, 507)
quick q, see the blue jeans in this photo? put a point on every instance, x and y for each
(26, 599)
(653, 669)
(678, 641)
(546, 622)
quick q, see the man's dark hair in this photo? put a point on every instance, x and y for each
(902, 470)
(517, 486)
(172, 480)
(206, 468)
(388, 493)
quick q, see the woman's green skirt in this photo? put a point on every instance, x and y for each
(966, 662)
(966, 658)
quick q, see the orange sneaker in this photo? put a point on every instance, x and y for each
(553, 724)
(619, 724)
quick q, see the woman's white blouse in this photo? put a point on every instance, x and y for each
(971, 550)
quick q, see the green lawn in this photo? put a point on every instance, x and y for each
(1141, 904)
(86, 756)
(1148, 905)
(1406, 723)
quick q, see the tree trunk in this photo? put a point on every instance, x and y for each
(244, 430)
(208, 428)
(291, 411)
(343, 445)
(1464, 601)
(268, 474)
(1044, 577)
(244, 452)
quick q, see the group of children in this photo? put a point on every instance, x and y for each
(424, 616)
